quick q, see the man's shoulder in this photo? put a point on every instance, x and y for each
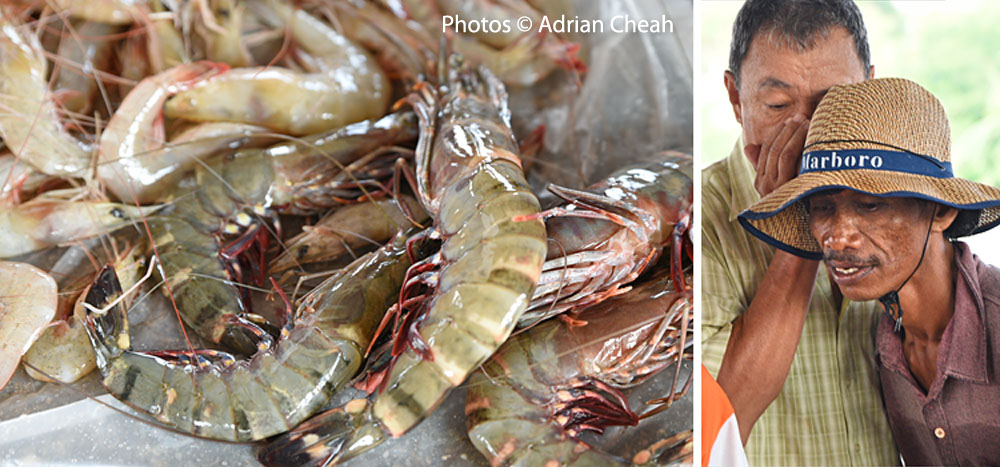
(989, 282)
(716, 176)
(716, 189)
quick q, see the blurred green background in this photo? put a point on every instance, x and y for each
(949, 47)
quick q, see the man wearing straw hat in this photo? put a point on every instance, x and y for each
(877, 201)
(796, 362)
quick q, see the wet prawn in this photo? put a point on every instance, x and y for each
(117, 12)
(201, 238)
(541, 389)
(212, 395)
(469, 179)
(46, 221)
(346, 229)
(30, 122)
(27, 304)
(608, 234)
(132, 164)
(17, 179)
(87, 49)
(63, 351)
(345, 84)
(519, 59)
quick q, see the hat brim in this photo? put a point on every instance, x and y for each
(781, 218)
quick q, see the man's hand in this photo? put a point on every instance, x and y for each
(778, 161)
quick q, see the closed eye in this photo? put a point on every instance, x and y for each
(819, 208)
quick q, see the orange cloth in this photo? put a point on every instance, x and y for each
(720, 435)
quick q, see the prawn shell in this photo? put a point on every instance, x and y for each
(28, 300)
(42, 223)
(276, 389)
(511, 400)
(279, 99)
(62, 353)
(30, 123)
(118, 12)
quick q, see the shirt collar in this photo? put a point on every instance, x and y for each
(743, 194)
(963, 344)
(967, 348)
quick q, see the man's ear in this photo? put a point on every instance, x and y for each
(944, 217)
(734, 95)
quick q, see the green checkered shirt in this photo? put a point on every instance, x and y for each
(829, 411)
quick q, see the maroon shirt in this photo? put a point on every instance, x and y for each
(957, 422)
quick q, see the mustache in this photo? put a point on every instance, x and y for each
(843, 257)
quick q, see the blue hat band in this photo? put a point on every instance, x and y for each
(874, 159)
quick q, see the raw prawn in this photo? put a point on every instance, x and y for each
(543, 387)
(29, 120)
(104, 11)
(344, 84)
(133, 164)
(403, 49)
(45, 222)
(86, 51)
(518, 59)
(27, 304)
(239, 195)
(608, 234)
(63, 351)
(210, 394)
(224, 41)
(346, 229)
(469, 179)
(16, 178)
(165, 45)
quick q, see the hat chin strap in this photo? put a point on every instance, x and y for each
(890, 301)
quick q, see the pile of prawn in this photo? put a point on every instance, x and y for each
(325, 194)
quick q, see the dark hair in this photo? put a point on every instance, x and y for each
(798, 22)
(965, 222)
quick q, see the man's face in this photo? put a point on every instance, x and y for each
(870, 244)
(778, 82)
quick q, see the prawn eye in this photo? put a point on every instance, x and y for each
(118, 213)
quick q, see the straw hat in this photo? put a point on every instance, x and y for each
(883, 137)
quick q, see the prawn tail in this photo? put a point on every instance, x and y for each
(106, 320)
(329, 438)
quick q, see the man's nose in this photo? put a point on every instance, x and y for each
(842, 234)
